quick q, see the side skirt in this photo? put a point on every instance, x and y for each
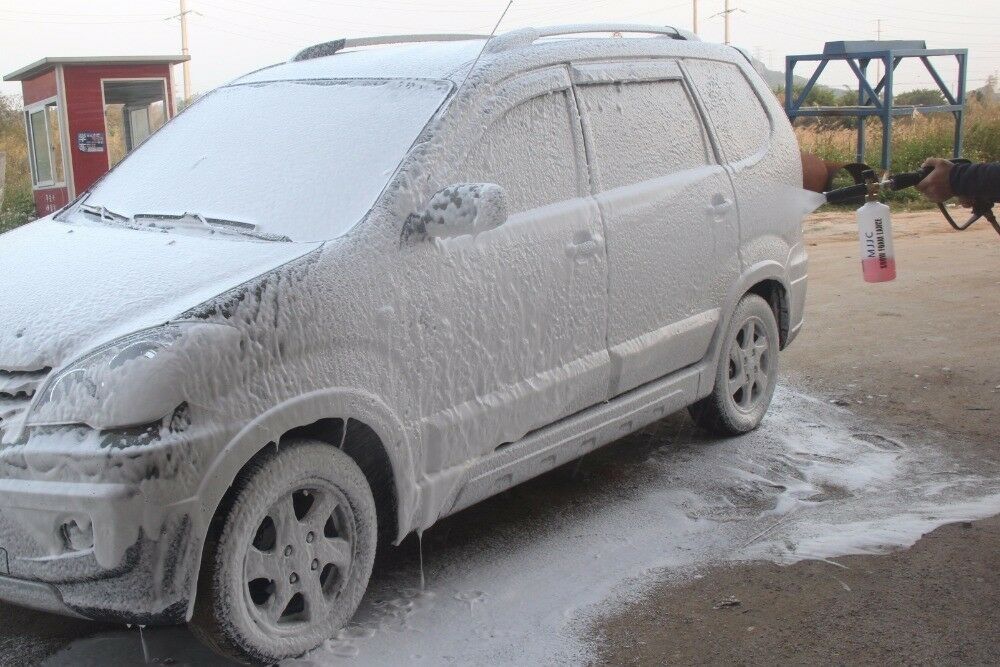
(574, 436)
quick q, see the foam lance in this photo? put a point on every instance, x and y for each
(878, 260)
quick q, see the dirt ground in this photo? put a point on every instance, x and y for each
(920, 354)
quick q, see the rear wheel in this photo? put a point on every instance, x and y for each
(289, 558)
(747, 371)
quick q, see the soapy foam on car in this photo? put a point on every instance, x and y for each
(206, 162)
(503, 363)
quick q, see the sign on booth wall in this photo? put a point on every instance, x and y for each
(50, 200)
(90, 142)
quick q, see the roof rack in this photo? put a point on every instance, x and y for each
(509, 40)
(332, 47)
(528, 36)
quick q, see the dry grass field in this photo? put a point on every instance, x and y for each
(913, 140)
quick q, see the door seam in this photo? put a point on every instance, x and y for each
(717, 150)
(591, 195)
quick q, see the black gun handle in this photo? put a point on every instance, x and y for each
(909, 178)
(981, 209)
(951, 220)
(852, 194)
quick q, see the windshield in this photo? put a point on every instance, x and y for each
(298, 159)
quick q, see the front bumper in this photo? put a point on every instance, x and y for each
(138, 566)
(113, 513)
(103, 524)
(35, 595)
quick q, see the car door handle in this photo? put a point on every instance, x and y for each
(583, 246)
(721, 205)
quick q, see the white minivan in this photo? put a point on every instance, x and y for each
(347, 295)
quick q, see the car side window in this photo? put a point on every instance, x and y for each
(641, 130)
(741, 124)
(530, 153)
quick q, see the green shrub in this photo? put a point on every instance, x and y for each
(18, 208)
(18, 205)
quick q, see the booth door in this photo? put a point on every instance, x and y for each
(133, 110)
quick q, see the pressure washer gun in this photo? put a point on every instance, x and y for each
(878, 259)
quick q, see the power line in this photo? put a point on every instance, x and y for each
(900, 10)
(49, 14)
(661, 10)
(414, 7)
(902, 17)
(263, 38)
(545, 14)
(101, 22)
(311, 21)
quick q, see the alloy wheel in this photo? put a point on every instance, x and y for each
(299, 559)
(749, 365)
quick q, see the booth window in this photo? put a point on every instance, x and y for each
(133, 110)
(45, 143)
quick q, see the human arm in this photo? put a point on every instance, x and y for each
(966, 181)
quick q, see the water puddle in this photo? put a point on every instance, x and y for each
(130, 647)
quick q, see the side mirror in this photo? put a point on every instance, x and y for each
(457, 210)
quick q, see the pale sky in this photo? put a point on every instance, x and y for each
(230, 37)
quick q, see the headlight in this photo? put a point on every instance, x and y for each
(134, 380)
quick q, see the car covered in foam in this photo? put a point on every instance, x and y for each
(344, 296)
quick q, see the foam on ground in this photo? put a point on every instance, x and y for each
(812, 482)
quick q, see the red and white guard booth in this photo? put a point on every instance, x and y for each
(83, 115)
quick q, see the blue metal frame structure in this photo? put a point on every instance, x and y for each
(878, 101)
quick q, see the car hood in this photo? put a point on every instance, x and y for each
(65, 288)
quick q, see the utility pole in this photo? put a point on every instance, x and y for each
(727, 16)
(727, 11)
(694, 18)
(185, 50)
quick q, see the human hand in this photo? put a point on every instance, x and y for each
(936, 186)
(817, 173)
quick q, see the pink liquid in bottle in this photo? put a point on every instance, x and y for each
(878, 258)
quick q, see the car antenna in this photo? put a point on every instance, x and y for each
(485, 44)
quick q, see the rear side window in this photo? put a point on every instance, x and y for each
(740, 121)
(641, 130)
(530, 153)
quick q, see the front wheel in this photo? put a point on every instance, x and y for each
(288, 557)
(747, 371)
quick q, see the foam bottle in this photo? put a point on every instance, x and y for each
(878, 260)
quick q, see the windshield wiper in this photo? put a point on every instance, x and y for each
(190, 220)
(103, 213)
(196, 220)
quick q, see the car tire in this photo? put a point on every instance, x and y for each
(288, 556)
(747, 372)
